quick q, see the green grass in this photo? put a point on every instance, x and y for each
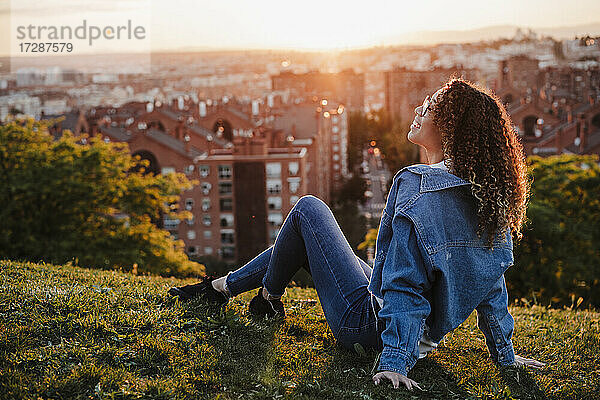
(69, 332)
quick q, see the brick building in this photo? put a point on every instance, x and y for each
(555, 109)
(247, 185)
(548, 128)
(346, 87)
(406, 89)
(517, 75)
(322, 127)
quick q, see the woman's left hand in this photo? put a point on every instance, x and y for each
(527, 362)
(396, 379)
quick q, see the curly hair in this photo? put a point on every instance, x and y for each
(480, 142)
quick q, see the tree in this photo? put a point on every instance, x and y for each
(398, 151)
(351, 191)
(352, 223)
(370, 239)
(558, 258)
(65, 200)
(390, 135)
(358, 132)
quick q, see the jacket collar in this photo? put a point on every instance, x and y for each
(433, 179)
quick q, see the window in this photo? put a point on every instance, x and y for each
(228, 251)
(227, 237)
(335, 129)
(167, 170)
(293, 200)
(225, 187)
(226, 204)
(174, 235)
(204, 171)
(273, 170)
(190, 221)
(336, 166)
(170, 223)
(191, 235)
(206, 186)
(206, 220)
(293, 168)
(208, 250)
(336, 157)
(189, 204)
(192, 250)
(207, 234)
(226, 220)
(224, 171)
(273, 186)
(189, 169)
(275, 219)
(294, 184)
(274, 203)
(335, 138)
(205, 204)
(334, 119)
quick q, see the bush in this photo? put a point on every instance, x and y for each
(92, 203)
(558, 258)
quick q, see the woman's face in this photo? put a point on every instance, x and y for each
(422, 131)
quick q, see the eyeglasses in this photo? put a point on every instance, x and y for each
(425, 107)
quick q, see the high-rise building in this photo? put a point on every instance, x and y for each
(322, 127)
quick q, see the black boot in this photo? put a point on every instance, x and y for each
(202, 289)
(260, 307)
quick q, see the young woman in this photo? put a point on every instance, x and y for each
(444, 243)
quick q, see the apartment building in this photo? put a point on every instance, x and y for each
(246, 185)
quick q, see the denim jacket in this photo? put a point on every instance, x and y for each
(432, 270)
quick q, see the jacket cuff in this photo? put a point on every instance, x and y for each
(395, 360)
(506, 355)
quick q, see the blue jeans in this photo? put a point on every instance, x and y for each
(311, 238)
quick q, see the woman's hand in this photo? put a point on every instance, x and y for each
(527, 362)
(396, 379)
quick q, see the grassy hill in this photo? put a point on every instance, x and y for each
(69, 332)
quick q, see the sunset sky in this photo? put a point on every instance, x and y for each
(318, 24)
(311, 24)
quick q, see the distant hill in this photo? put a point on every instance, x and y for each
(490, 33)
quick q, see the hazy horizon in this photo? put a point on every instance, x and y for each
(189, 25)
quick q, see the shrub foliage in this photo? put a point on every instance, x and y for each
(558, 259)
(86, 201)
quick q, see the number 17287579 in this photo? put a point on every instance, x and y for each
(45, 47)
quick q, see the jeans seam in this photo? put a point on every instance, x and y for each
(368, 324)
(325, 258)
